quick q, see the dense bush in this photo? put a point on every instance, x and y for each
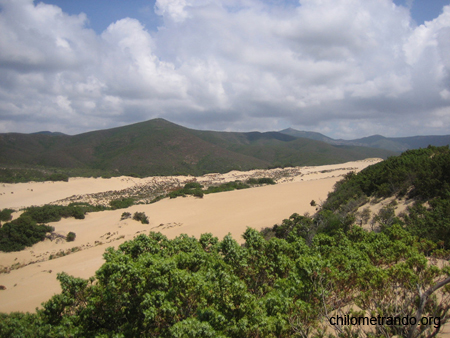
(155, 287)
(229, 186)
(5, 215)
(422, 174)
(262, 180)
(25, 231)
(193, 185)
(70, 236)
(121, 203)
(20, 233)
(53, 213)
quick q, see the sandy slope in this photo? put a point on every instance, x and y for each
(229, 212)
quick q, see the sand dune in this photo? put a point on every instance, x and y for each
(32, 276)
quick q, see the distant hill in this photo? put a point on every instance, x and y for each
(49, 133)
(396, 144)
(159, 147)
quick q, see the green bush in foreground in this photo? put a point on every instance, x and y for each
(185, 287)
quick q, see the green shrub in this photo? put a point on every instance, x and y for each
(125, 215)
(53, 213)
(121, 203)
(70, 236)
(266, 180)
(198, 193)
(6, 215)
(229, 186)
(177, 193)
(193, 185)
(141, 217)
(252, 181)
(21, 233)
(155, 287)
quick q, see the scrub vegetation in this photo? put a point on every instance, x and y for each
(292, 280)
(29, 228)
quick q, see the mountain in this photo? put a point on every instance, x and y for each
(396, 144)
(159, 147)
(308, 134)
(46, 132)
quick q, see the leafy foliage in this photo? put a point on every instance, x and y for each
(422, 174)
(20, 233)
(6, 215)
(155, 287)
(121, 203)
(262, 180)
(28, 228)
(195, 189)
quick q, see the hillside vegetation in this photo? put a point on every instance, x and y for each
(158, 147)
(377, 141)
(294, 284)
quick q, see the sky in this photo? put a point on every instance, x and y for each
(345, 68)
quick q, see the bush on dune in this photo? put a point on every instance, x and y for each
(21, 233)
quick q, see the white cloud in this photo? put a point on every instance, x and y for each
(348, 67)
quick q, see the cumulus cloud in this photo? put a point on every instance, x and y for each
(348, 68)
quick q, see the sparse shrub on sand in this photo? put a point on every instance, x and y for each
(125, 215)
(141, 217)
(70, 236)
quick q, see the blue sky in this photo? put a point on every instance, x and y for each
(101, 13)
(345, 68)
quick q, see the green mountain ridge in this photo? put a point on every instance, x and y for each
(159, 147)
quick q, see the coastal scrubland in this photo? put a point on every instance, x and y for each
(293, 279)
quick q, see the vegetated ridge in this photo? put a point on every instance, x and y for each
(159, 147)
(397, 144)
(292, 280)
